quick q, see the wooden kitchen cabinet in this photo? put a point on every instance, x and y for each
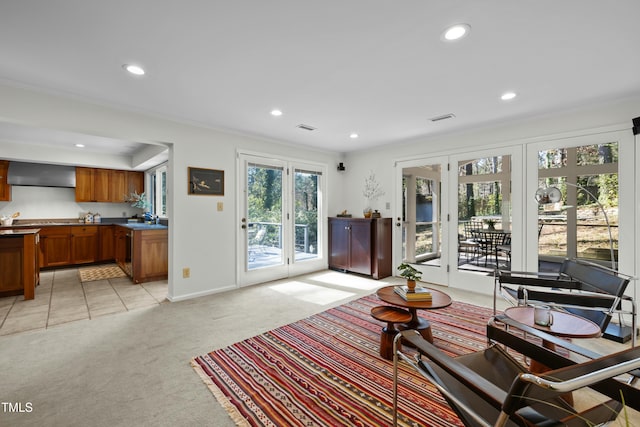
(84, 244)
(92, 185)
(142, 254)
(84, 184)
(361, 245)
(150, 255)
(19, 269)
(118, 186)
(106, 185)
(55, 246)
(106, 243)
(5, 189)
(135, 182)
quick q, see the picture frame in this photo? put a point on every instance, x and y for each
(206, 182)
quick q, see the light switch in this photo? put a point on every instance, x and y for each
(220, 206)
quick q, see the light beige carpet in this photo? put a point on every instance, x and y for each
(101, 272)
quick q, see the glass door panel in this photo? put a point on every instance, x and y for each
(264, 216)
(306, 185)
(484, 213)
(584, 222)
(420, 228)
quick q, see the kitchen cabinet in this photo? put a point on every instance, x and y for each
(135, 182)
(118, 186)
(361, 245)
(92, 185)
(55, 246)
(106, 243)
(150, 255)
(106, 185)
(19, 269)
(5, 189)
(84, 244)
(143, 253)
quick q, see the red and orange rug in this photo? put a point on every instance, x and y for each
(325, 370)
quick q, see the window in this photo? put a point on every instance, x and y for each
(584, 223)
(158, 190)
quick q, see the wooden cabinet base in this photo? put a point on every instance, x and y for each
(19, 271)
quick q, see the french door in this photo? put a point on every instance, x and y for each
(443, 198)
(420, 236)
(280, 225)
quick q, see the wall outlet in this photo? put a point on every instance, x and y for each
(186, 273)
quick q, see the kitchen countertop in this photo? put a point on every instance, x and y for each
(17, 225)
(18, 232)
(144, 226)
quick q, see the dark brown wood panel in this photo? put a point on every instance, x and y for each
(338, 243)
(361, 245)
(150, 257)
(55, 246)
(84, 244)
(5, 189)
(117, 186)
(106, 243)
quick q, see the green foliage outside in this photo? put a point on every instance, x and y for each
(265, 205)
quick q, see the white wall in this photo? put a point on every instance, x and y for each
(201, 237)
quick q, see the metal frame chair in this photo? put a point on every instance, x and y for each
(580, 287)
(490, 388)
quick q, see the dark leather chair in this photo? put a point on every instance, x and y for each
(491, 388)
(582, 288)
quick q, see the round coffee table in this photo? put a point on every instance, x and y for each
(564, 324)
(439, 300)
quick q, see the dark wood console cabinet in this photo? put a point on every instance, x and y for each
(360, 245)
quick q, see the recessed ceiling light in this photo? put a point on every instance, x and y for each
(134, 69)
(508, 95)
(276, 113)
(80, 145)
(456, 32)
(353, 135)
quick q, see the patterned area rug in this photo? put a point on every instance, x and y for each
(325, 370)
(101, 272)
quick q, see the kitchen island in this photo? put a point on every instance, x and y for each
(142, 251)
(19, 269)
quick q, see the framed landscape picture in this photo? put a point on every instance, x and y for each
(206, 182)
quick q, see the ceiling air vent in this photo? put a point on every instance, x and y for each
(443, 117)
(306, 127)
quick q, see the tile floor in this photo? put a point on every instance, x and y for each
(62, 298)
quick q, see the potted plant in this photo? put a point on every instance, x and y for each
(411, 274)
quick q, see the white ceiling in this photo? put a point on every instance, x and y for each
(375, 67)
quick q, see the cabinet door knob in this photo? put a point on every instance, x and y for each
(398, 224)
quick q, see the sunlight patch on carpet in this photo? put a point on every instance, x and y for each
(320, 295)
(347, 280)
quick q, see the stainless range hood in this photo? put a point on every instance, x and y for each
(41, 175)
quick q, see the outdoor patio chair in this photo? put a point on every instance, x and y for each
(491, 388)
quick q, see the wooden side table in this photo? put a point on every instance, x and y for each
(391, 315)
(439, 300)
